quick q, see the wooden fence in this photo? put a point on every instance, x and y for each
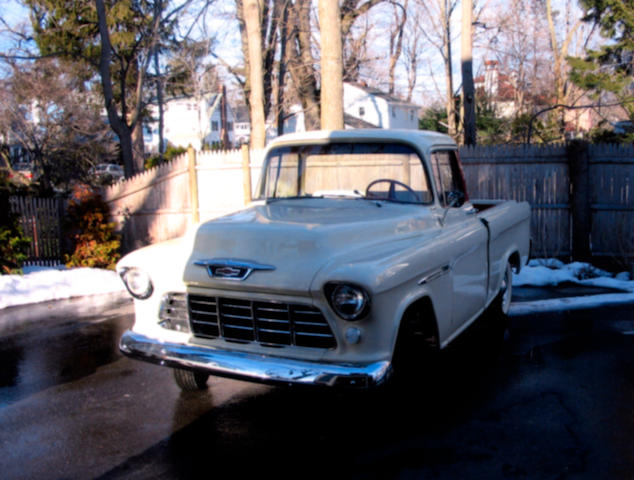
(533, 174)
(162, 203)
(40, 219)
(581, 197)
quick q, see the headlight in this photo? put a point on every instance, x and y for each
(137, 282)
(348, 301)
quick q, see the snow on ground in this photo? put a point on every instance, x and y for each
(41, 284)
(552, 272)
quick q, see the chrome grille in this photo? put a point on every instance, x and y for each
(267, 323)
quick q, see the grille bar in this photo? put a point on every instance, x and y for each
(267, 323)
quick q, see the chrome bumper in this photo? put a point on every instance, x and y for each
(252, 367)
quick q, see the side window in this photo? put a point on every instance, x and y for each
(448, 178)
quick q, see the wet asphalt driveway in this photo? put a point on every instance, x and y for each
(556, 400)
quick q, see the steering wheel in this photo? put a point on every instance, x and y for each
(391, 194)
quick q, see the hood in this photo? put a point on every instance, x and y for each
(290, 240)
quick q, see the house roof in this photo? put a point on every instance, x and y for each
(385, 96)
(241, 114)
(210, 97)
(354, 122)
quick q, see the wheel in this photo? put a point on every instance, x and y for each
(391, 192)
(416, 350)
(190, 381)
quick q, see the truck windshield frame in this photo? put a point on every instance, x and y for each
(346, 170)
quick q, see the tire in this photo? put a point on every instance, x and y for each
(190, 381)
(415, 353)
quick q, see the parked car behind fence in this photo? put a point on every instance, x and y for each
(105, 171)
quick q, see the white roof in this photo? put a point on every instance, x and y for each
(422, 139)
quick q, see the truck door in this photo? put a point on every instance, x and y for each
(465, 238)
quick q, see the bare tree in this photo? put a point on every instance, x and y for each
(514, 37)
(413, 47)
(288, 49)
(62, 134)
(559, 51)
(396, 41)
(438, 33)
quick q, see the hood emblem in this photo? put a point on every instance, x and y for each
(231, 269)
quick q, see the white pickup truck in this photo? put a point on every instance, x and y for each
(360, 250)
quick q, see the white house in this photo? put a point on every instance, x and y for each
(241, 125)
(378, 108)
(189, 121)
(365, 107)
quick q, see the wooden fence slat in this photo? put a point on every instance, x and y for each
(40, 220)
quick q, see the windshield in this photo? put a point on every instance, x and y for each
(380, 171)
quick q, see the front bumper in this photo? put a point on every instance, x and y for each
(253, 367)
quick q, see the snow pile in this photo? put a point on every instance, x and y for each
(42, 284)
(552, 272)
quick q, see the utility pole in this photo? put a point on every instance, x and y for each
(252, 19)
(224, 131)
(331, 65)
(468, 90)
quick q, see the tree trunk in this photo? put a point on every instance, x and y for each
(281, 72)
(159, 100)
(449, 104)
(556, 56)
(118, 124)
(301, 63)
(138, 147)
(252, 10)
(468, 90)
(331, 65)
(396, 44)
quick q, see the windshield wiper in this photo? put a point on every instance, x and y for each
(293, 197)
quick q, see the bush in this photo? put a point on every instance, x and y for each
(170, 153)
(13, 244)
(95, 243)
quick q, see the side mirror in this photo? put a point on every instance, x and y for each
(455, 198)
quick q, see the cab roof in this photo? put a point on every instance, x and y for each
(423, 139)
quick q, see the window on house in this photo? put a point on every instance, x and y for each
(229, 126)
(393, 112)
(214, 126)
(361, 111)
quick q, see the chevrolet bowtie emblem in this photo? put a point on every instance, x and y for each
(231, 269)
(227, 272)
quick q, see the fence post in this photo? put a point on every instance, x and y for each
(193, 183)
(246, 174)
(580, 201)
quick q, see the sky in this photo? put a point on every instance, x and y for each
(222, 26)
(44, 284)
